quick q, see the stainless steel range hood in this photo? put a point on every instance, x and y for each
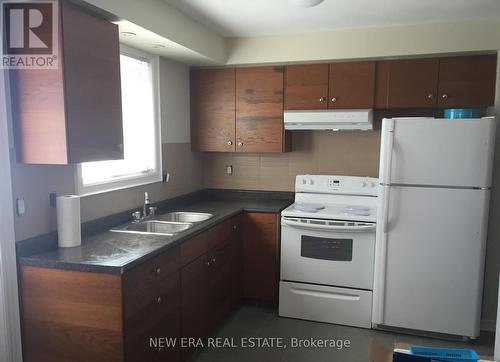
(333, 120)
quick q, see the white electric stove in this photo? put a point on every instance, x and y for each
(327, 250)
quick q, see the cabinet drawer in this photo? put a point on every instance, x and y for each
(326, 304)
(146, 280)
(193, 248)
(221, 233)
(157, 301)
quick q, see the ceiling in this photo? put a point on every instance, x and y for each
(242, 18)
(153, 43)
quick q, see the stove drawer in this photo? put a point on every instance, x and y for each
(326, 304)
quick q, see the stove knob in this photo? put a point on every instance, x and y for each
(364, 184)
(304, 181)
(311, 182)
(372, 184)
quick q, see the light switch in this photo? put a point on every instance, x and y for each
(21, 206)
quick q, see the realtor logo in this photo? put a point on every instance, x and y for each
(29, 34)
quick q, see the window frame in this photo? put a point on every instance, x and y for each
(136, 180)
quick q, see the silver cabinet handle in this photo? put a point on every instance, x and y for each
(158, 271)
(322, 99)
(334, 99)
(213, 260)
(208, 263)
(444, 96)
(240, 144)
(235, 227)
(158, 300)
(229, 143)
(430, 96)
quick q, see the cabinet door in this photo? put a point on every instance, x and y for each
(151, 298)
(412, 83)
(220, 288)
(195, 301)
(260, 253)
(351, 85)
(73, 113)
(306, 86)
(259, 109)
(467, 81)
(153, 316)
(91, 52)
(213, 110)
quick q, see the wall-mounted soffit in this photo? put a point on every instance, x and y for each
(161, 29)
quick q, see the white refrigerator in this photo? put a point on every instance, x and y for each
(432, 217)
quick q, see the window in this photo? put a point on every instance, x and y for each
(141, 131)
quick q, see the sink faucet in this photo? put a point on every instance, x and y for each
(145, 207)
(147, 211)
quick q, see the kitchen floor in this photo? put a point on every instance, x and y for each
(250, 321)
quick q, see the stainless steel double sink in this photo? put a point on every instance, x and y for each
(166, 224)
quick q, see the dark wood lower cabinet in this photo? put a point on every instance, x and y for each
(194, 301)
(260, 258)
(210, 285)
(186, 291)
(70, 316)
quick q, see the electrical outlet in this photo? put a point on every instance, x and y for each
(20, 206)
(52, 199)
(229, 169)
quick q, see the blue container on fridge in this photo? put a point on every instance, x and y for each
(460, 113)
(446, 354)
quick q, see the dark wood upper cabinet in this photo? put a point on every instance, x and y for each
(464, 81)
(213, 110)
(73, 113)
(306, 86)
(237, 110)
(259, 109)
(406, 83)
(351, 85)
(467, 81)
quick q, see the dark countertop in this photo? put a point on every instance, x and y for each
(115, 253)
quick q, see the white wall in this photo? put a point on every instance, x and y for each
(387, 41)
(174, 90)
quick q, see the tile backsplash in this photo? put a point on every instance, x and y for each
(314, 152)
(354, 153)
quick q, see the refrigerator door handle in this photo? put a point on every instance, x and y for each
(379, 277)
(387, 151)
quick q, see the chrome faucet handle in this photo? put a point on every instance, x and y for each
(136, 216)
(152, 211)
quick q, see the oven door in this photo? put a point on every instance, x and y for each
(328, 252)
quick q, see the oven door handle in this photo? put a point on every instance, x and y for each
(354, 228)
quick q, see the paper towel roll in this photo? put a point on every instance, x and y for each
(68, 221)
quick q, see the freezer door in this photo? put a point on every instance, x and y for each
(429, 260)
(437, 152)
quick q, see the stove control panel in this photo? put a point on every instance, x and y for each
(346, 185)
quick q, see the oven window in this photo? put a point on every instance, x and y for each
(326, 248)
